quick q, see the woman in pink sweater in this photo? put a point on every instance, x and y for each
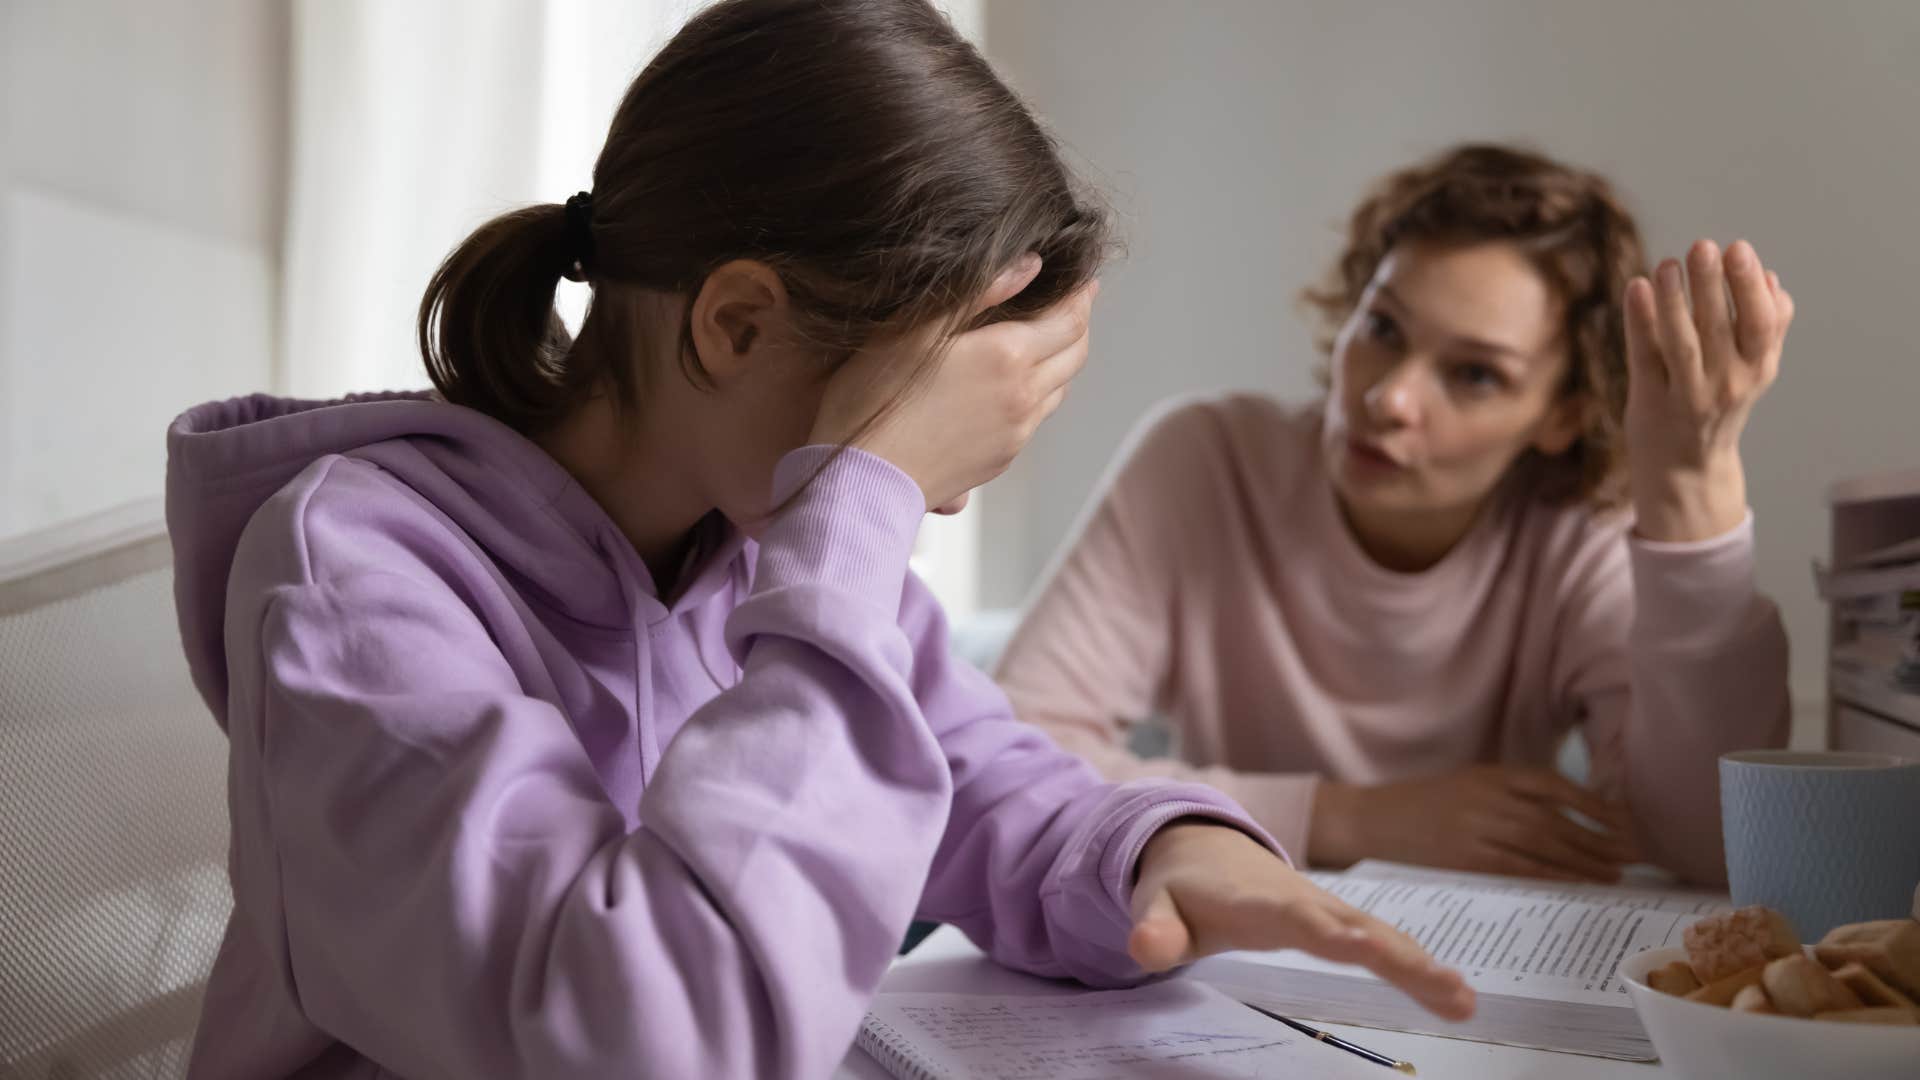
(1519, 508)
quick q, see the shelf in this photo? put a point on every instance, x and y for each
(1847, 687)
(1877, 487)
(1871, 517)
(1859, 730)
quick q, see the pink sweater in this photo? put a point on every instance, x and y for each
(1215, 582)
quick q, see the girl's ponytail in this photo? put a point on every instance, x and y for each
(488, 330)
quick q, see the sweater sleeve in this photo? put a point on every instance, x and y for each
(1093, 655)
(1670, 657)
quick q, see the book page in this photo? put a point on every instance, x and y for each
(1519, 938)
(1178, 1028)
(1636, 881)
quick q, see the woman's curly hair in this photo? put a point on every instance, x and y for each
(1578, 235)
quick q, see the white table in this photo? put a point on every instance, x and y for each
(947, 961)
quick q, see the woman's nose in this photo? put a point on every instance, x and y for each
(1394, 400)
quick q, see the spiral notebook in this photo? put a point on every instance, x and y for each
(1175, 1029)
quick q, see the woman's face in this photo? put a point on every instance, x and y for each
(1448, 369)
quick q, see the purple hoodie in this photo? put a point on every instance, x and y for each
(498, 811)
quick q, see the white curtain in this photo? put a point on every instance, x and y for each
(414, 121)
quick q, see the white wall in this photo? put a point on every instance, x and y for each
(141, 150)
(1234, 136)
(165, 169)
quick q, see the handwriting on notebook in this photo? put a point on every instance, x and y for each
(1169, 1030)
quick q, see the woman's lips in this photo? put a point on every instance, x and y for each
(1370, 456)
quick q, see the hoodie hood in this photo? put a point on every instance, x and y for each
(521, 507)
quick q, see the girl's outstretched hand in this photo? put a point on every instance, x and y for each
(1205, 888)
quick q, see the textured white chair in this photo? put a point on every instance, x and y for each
(113, 822)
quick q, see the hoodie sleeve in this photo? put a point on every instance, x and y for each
(1038, 858)
(1671, 657)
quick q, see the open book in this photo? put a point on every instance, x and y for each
(1175, 1029)
(1543, 957)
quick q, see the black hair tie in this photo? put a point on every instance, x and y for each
(579, 235)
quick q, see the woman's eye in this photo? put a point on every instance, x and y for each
(1477, 377)
(1381, 327)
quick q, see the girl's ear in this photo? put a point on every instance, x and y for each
(740, 310)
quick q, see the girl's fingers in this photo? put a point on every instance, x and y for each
(1311, 927)
(1302, 917)
(1011, 282)
(1050, 332)
(1160, 939)
(1401, 961)
(1331, 930)
(1051, 403)
(1058, 370)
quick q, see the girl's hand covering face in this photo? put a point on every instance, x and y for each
(960, 424)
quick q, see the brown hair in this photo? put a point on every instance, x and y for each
(1579, 237)
(860, 148)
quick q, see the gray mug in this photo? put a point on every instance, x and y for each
(1824, 838)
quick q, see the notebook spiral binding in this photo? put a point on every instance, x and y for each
(886, 1045)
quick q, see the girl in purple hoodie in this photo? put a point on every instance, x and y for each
(585, 718)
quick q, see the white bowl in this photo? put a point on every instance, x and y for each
(1705, 1042)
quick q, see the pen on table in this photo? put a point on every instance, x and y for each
(1335, 1040)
